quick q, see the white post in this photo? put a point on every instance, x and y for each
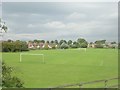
(31, 54)
(20, 57)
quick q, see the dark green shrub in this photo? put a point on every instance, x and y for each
(8, 80)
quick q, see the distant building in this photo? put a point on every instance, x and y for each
(34, 45)
(91, 45)
(106, 45)
(111, 45)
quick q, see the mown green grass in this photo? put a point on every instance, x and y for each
(64, 66)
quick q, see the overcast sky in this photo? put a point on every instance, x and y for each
(50, 20)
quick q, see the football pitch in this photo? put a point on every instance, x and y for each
(62, 67)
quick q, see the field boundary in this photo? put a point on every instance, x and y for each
(105, 81)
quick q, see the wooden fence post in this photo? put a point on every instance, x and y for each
(106, 83)
(80, 85)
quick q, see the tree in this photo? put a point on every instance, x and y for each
(64, 46)
(69, 42)
(65, 41)
(42, 41)
(100, 41)
(62, 41)
(47, 42)
(6, 47)
(81, 40)
(14, 46)
(75, 45)
(37, 41)
(10, 40)
(83, 43)
(113, 43)
(24, 46)
(52, 42)
(7, 79)
(91, 42)
(3, 26)
(56, 41)
(46, 46)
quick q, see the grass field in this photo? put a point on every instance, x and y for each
(64, 66)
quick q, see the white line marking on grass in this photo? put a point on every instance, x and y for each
(79, 49)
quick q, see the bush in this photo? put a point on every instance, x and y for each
(7, 79)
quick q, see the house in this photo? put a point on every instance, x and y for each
(34, 45)
(30, 45)
(91, 45)
(106, 45)
(111, 45)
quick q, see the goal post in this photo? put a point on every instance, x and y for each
(22, 54)
(83, 49)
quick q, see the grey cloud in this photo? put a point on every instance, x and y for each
(61, 20)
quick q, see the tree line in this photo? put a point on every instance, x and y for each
(19, 46)
(63, 44)
(14, 46)
(79, 43)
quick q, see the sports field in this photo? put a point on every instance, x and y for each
(64, 66)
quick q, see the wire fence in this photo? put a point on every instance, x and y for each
(81, 85)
